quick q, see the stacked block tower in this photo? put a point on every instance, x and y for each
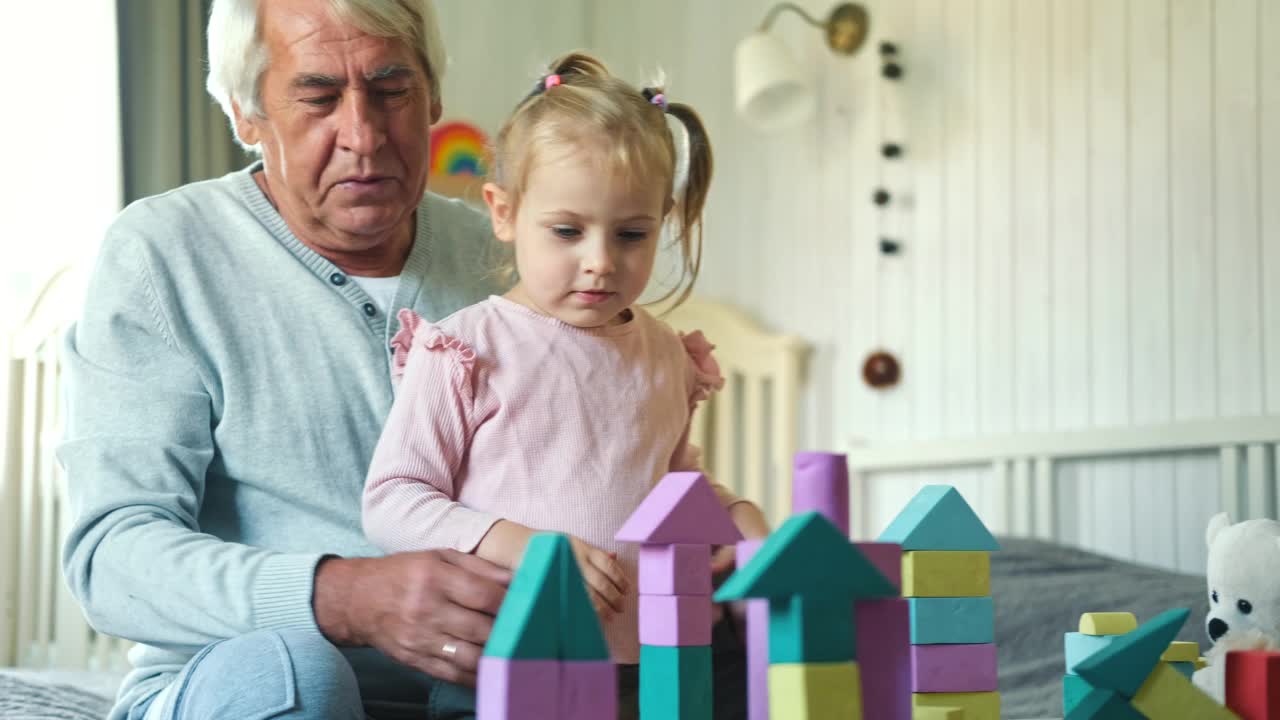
(946, 578)
(546, 656)
(811, 575)
(677, 524)
(1128, 679)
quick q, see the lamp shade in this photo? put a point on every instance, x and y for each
(771, 91)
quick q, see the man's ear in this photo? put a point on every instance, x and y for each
(501, 213)
(437, 110)
(246, 129)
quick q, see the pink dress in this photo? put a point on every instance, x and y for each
(505, 413)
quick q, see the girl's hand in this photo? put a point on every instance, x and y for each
(606, 581)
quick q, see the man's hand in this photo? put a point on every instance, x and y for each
(605, 579)
(412, 606)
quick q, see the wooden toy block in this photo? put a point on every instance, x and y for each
(953, 668)
(815, 691)
(1201, 663)
(675, 683)
(809, 629)
(675, 620)
(757, 642)
(1253, 684)
(939, 713)
(1107, 623)
(976, 706)
(820, 483)
(1078, 646)
(1167, 694)
(926, 573)
(887, 557)
(882, 648)
(528, 622)
(938, 518)
(675, 569)
(1074, 689)
(681, 508)
(1185, 669)
(807, 555)
(588, 690)
(1124, 665)
(581, 637)
(1181, 651)
(1103, 705)
(517, 689)
(959, 621)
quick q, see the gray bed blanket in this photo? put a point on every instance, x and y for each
(25, 697)
(1040, 590)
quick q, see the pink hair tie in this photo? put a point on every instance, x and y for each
(660, 100)
(550, 81)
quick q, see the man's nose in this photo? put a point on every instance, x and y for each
(362, 129)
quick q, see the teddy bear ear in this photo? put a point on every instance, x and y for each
(1217, 524)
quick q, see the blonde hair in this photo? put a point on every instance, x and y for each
(592, 107)
(238, 55)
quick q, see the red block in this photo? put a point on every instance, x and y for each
(675, 620)
(675, 569)
(1253, 684)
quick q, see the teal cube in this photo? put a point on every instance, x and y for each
(675, 682)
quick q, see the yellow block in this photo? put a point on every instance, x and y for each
(929, 573)
(1201, 663)
(1107, 623)
(1167, 694)
(938, 713)
(976, 705)
(815, 691)
(1181, 651)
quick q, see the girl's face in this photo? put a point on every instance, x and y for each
(585, 238)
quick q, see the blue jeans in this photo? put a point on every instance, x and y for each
(296, 675)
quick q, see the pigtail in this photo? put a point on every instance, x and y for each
(689, 206)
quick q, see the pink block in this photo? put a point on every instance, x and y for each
(821, 483)
(675, 620)
(757, 643)
(882, 641)
(675, 569)
(953, 668)
(886, 557)
(588, 690)
(517, 689)
(681, 508)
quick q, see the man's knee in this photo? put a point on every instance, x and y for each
(269, 674)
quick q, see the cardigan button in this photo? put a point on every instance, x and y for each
(338, 279)
(370, 310)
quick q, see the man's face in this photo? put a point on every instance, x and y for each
(345, 126)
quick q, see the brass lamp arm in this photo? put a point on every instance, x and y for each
(777, 10)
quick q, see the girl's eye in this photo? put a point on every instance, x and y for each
(1244, 606)
(565, 231)
(1214, 596)
(633, 235)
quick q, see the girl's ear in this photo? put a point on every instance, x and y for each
(501, 214)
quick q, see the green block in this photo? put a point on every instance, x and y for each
(580, 635)
(1103, 705)
(806, 629)
(1125, 664)
(938, 518)
(675, 682)
(807, 556)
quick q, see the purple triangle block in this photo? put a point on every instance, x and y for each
(681, 508)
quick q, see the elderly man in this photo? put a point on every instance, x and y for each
(229, 378)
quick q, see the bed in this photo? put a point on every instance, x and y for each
(53, 665)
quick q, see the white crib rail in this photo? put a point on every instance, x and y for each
(1022, 466)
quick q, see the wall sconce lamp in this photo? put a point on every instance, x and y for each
(771, 91)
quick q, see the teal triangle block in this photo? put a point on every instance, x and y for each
(580, 635)
(528, 623)
(1103, 705)
(807, 556)
(938, 518)
(1125, 664)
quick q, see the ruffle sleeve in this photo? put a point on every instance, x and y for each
(706, 371)
(417, 332)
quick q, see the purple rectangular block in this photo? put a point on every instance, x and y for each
(675, 569)
(882, 646)
(757, 642)
(588, 690)
(953, 668)
(887, 557)
(675, 620)
(821, 482)
(517, 689)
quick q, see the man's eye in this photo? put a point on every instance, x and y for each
(393, 93)
(319, 101)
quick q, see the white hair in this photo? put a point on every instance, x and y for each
(238, 57)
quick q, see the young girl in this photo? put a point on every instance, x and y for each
(559, 405)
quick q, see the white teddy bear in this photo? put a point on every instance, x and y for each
(1244, 594)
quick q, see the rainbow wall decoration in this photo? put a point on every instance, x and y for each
(459, 148)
